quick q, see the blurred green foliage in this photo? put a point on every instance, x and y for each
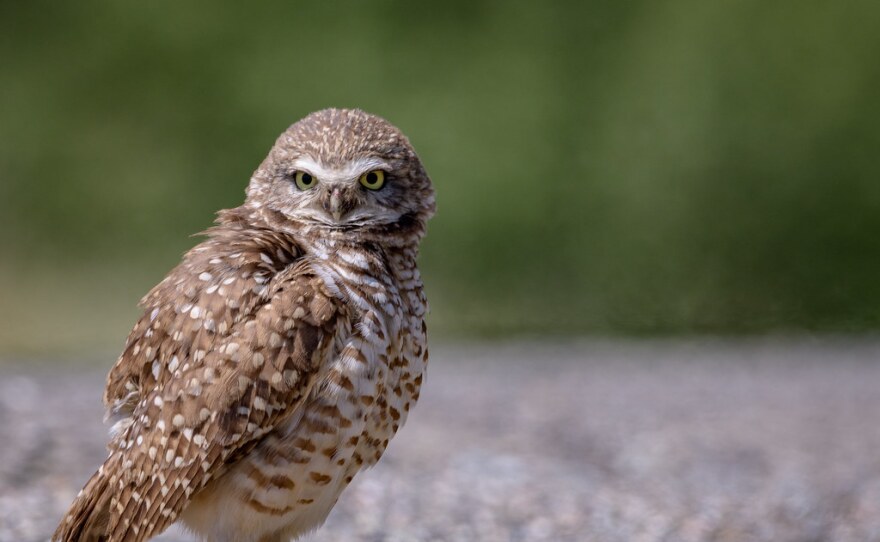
(601, 166)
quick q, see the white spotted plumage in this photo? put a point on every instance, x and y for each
(281, 355)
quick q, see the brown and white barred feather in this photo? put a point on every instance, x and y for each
(278, 358)
(245, 366)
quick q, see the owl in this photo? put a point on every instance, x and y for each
(280, 356)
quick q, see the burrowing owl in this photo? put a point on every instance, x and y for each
(281, 355)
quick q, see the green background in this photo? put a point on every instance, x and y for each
(602, 167)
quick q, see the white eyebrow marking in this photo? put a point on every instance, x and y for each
(347, 172)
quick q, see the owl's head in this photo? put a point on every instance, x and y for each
(344, 170)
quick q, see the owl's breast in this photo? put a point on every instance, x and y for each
(293, 478)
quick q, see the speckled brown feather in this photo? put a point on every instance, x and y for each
(89, 515)
(234, 263)
(241, 374)
(281, 342)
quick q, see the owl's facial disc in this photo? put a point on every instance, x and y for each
(345, 170)
(342, 196)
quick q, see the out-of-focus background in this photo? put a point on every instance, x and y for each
(642, 174)
(601, 167)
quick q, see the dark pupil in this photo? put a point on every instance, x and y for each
(372, 178)
(306, 178)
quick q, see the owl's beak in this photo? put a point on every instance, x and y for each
(338, 202)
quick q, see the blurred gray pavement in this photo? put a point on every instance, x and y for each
(773, 440)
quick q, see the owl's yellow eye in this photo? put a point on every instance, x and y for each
(304, 180)
(373, 180)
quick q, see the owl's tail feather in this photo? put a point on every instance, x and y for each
(88, 519)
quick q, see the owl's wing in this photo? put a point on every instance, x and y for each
(219, 284)
(184, 433)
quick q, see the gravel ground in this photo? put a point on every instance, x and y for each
(645, 441)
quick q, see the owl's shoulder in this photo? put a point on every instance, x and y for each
(219, 282)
